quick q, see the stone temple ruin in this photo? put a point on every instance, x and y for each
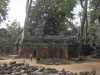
(63, 46)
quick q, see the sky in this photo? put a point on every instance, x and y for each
(16, 12)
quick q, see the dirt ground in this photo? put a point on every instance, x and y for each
(88, 65)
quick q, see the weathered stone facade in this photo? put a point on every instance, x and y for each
(44, 47)
(63, 51)
(49, 51)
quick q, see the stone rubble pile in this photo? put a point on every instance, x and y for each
(53, 61)
(14, 68)
(79, 59)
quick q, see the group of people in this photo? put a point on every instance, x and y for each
(24, 59)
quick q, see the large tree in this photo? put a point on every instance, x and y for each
(83, 21)
(19, 40)
(53, 14)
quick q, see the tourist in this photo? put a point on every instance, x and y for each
(31, 57)
(24, 60)
(38, 59)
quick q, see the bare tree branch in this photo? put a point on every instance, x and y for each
(81, 1)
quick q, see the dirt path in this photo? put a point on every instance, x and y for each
(75, 67)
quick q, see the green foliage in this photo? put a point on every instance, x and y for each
(94, 10)
(14, 28)
(3, 9)
(93, 31)
(59, 12)
(94, 16)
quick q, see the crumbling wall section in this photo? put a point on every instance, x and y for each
(53, 51)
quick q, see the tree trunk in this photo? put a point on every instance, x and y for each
(86, 27)
(99, 26)
(24, 33)
(82, 26)
(28, 7)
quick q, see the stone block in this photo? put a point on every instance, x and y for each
(13, 56)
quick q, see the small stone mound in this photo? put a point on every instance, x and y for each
(79, 59)
(2, 58)
(52, 61)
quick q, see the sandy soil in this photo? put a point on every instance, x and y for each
(73, 67)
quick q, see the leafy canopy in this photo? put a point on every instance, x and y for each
(3, 9)
(94, 17)
(14, 28)
(52, 14)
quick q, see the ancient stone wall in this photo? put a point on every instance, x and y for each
(73, 50)
(47, 51)
(42, 46)
(62, 51)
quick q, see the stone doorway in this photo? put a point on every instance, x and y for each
(35, 53)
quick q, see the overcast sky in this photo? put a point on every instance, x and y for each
(17, 11)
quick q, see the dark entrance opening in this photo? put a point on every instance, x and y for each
(34, 53)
